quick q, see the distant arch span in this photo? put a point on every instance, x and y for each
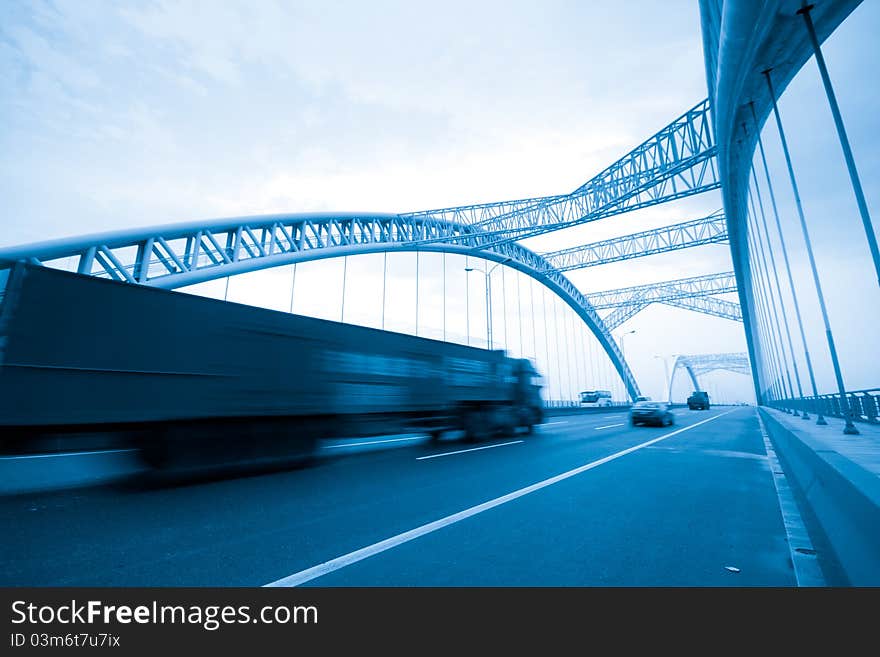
(699, 364)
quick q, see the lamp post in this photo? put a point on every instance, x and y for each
(622, 352)
(488, 275)
(666, 375)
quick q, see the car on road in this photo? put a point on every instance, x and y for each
(651, 412)
(698, 401)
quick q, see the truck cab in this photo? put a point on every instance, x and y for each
(527, 395)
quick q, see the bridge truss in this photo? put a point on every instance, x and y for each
(694, 293)
(708, 230)
(676, 162)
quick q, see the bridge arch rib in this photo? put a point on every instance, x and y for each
(176, 256)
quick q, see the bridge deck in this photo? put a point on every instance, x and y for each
(588, 500)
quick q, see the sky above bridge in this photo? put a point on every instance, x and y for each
(118, 115)
(143, 113)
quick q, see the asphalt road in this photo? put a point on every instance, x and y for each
(583, 502)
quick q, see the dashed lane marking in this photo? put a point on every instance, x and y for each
(462, 451)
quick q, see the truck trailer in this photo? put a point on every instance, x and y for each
(195, 383)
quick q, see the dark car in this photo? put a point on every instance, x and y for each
(698, 401)
(651, 412)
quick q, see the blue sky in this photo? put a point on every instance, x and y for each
(143, 113)
(119, 115)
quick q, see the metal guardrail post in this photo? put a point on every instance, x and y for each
(871, 410)
(860, 405)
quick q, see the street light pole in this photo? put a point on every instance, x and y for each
(488, 306)
(488, 275)
(665, 372)
(622, 352)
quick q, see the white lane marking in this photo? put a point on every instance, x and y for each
(579, 421)
(373, 442)
(807, 571)
(462, 451)
(359, 555)
(609, 426)
(47, 456)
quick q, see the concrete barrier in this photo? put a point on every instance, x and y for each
(836, 479)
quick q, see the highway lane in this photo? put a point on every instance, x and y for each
(676, 512)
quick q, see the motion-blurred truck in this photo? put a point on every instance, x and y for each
(196, 383)
(699, 400)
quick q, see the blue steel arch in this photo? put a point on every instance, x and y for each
(741, 40)
(185, 254)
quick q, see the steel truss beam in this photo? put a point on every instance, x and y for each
(699, 364)
(176, 256)
(676, 162)
(709, 306)
(705, 305)
(681, 288)
(619, 315)
(689, 293)
(708, 230)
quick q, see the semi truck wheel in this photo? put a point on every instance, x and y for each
(477, 425)
(534, 417)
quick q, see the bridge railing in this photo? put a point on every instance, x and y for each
(865, 405)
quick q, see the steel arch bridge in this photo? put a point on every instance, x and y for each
(676, 162)
(698, 364)
(176, 256)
